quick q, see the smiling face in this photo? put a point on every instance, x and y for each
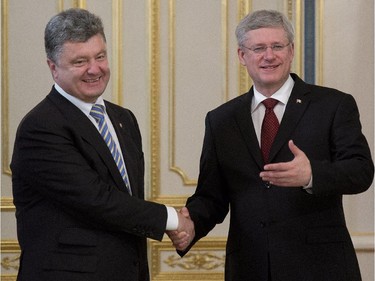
(82, 69)
(268, 70)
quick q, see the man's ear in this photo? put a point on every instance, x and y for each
(241, 54)
(52, 67)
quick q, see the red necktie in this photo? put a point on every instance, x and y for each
(270, 126)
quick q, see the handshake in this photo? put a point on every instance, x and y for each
(182, 237)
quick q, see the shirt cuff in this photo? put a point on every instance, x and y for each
(172, 220)
(309, 186)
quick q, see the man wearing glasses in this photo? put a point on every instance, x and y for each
(280, 157)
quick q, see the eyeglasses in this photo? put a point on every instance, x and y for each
(263, 49)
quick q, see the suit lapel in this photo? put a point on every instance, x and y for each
(295, 108)
(245, 123)
(84, 127)
(125, 141)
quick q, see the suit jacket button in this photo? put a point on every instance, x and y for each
(267, 184)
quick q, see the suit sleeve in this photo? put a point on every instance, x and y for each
(350, 169)
(210, 203)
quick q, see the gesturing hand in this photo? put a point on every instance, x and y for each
(295, 173)
(182, 237)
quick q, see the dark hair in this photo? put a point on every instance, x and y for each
(72, 25)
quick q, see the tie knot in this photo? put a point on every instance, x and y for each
(97, 111)
(270, 103)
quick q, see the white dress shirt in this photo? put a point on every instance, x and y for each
(258, 109)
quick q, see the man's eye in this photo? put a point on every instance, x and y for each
(101, 57)
(277, 47)
(259, 49)
(79, 62)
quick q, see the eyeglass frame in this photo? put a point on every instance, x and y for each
(262, 49)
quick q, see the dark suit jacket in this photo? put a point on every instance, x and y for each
(295, 235)
(75, 219)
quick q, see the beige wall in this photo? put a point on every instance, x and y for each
(172, 61)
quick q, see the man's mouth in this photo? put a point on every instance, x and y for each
(269, 67)
(91, 80)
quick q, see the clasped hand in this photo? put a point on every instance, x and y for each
(182, 237)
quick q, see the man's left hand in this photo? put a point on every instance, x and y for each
(295, 173)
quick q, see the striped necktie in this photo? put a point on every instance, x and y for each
(97, 112)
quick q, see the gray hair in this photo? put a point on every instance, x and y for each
(261, 19)
(72, 25)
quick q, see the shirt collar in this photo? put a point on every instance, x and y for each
(85, 107)
(282, 95)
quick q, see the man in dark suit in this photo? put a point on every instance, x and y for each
(286, 214)
(79, 196)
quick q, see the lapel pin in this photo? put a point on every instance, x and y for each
(121, 125)
(298, 101)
